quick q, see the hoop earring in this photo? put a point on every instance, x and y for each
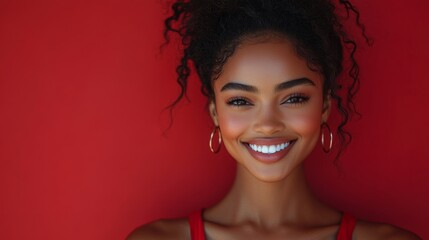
(326, 150)
(211, 140)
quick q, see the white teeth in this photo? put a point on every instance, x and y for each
(264, 149)
(268, 149)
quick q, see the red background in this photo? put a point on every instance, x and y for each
(82, 86)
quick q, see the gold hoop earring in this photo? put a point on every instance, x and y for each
(211, 140)
(326, 150)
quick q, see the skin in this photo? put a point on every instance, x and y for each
(269, 200)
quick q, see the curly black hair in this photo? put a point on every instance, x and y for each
(210, 31)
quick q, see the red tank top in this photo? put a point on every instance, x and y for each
(196, 224)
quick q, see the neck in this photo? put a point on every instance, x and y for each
(269, 204)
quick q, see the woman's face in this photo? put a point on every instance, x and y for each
(269, 107)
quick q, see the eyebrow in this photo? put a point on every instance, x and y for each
(282, 86)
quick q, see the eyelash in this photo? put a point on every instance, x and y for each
(238, 102)
(242, 101)
(301, 98)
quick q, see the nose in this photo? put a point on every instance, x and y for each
(269, 121)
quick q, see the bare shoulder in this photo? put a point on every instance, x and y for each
(371, 230)
(162, 229)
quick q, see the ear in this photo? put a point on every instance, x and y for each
(326, 107)
(213, 112)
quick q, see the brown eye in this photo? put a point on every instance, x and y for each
(237, 102)
(297, 99)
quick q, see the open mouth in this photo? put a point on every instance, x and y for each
(269, 151)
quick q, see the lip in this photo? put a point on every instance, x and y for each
(268, 141)
(268, 157)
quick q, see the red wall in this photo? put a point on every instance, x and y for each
(82, 155)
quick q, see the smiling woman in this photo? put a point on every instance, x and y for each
(270, 70)
(276, 103)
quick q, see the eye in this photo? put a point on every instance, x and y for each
(238, 102)
(297, 99)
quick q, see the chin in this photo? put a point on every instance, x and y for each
(271, 174)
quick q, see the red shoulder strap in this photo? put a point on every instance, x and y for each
(345, 232)
(196, 225)
(347, 226)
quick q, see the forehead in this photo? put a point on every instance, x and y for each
(270, 57)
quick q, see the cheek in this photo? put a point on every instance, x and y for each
(305, 125)
(232, 124)
(306, 122)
